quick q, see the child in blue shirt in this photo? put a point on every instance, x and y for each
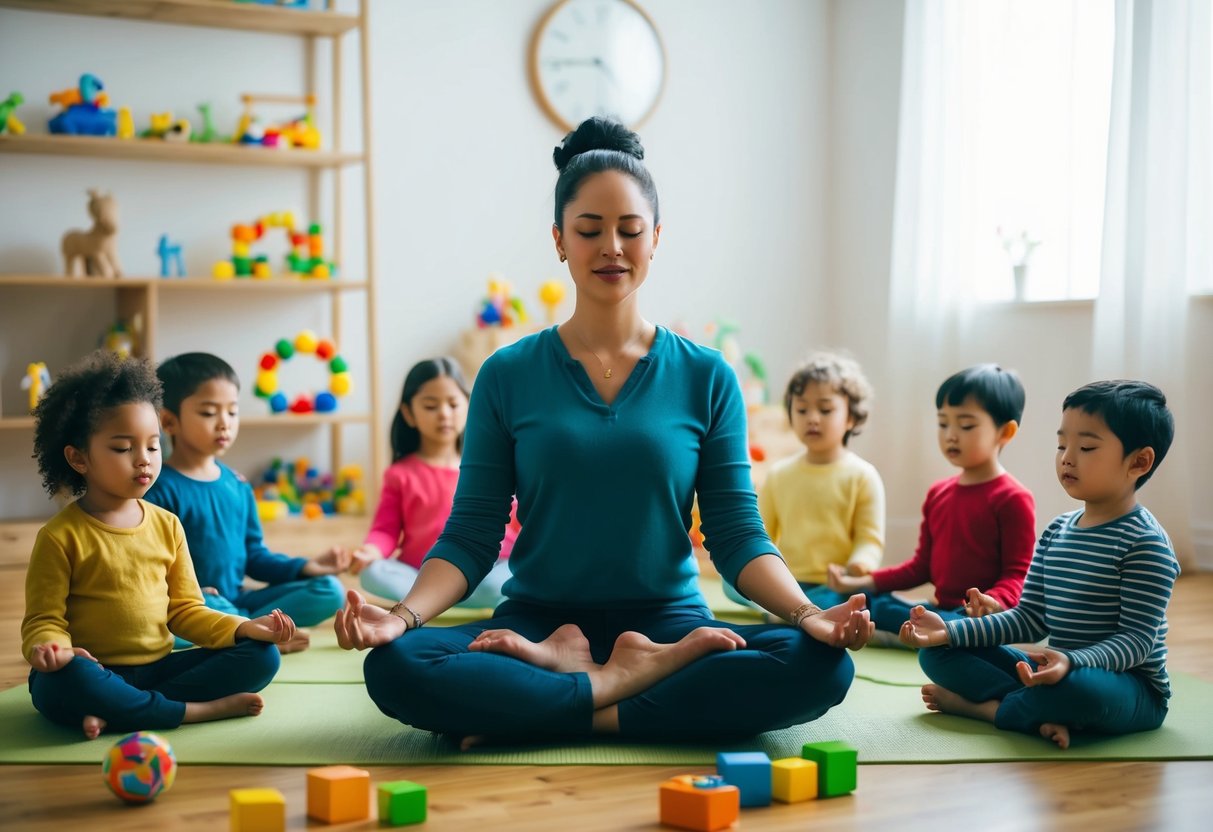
(1097, 587)
(217, 508)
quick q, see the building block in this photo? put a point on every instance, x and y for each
(401, 802)
(257, 810)
(749, 771)
(336, 794)
(793, 779)
(700, 803)
(836, 766)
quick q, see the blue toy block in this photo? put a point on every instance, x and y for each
(750, 772)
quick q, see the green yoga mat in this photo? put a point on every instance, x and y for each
(321, 724)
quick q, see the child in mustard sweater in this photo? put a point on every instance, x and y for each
(110, 579)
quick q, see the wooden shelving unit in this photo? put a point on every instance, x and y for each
(141, 296)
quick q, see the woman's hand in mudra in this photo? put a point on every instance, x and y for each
(360, 625)
(842, 625)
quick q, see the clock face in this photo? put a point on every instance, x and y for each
(597, 58)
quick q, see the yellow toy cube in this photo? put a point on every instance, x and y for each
(258, 810)
(793, 780)
(336, 794)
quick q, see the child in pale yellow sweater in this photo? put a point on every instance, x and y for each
(826, 505)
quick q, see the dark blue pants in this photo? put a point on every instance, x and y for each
(1088, 698)
(429, 679)
(150, 696)
(888, 613)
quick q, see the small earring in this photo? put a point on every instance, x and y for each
(563, 258)
(652, 254)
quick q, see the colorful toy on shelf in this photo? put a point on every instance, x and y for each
(208, 133)
(97, 248)
(120, 339)
(305, 342)
(85, 112)
(126, 123)
(170, 255)
(8, 114)
(306, 258)
(550, 295)
(298, 132)
(500, 308)
(139, 767)
(37, 379)
(164, 126)
(298, 488)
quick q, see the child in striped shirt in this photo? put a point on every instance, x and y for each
(1097, 587)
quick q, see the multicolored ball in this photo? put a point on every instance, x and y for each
(139, 767)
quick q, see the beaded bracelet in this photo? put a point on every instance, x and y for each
(804, 611)
(415, 624)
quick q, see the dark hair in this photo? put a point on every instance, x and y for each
(77, 402)
(841, 373)
(999, 392)
(182, 374)
(1134, 410)
(600, 144)
(405, 438)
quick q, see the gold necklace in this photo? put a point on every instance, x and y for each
(607, 372)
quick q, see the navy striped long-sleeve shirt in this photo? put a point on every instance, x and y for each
(1100, 594)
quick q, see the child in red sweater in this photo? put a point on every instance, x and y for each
(978, 528)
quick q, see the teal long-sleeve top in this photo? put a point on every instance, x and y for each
(604, 492)
(223, 530)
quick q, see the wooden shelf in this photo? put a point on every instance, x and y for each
(16, 422)
(303, 420)
(186, 284)
(158, 150)
(217, 14)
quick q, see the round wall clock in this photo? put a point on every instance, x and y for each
(597, 57)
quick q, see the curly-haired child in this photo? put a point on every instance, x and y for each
(110, 579)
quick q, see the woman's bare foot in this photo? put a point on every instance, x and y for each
(566, 650)
(238, 704)
(1060, 734)
(946, 702)
(471, 741)
(93, 726)
(299, 642)
(636, 663)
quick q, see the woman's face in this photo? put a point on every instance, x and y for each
(609, 237)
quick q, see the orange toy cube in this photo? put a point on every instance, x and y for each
(793, 779)
(703, 803)
(338, 793)
(257, 810)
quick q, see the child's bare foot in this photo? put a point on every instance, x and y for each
(1060, 734)
(945, 701)
(297, 643)
(636, 663)
(93, 726)
(566, 650)
(238, 704)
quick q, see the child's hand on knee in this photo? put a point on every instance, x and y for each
(333, 562)
(1051, 667)
(977, 603)
(923, 629)
(276, 628)
(363, 557)
(49, 657)
(842, 583)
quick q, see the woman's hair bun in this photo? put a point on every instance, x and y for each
(597, 133)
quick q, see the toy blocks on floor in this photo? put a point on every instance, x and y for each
(749, 771)
(793, 779)
(257, 810)
(703, 803)
(836, 766)
(401, 802)
(336, 794)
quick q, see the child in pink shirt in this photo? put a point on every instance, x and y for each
(419, 487)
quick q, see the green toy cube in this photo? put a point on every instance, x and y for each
(401, 802)
(836, 766)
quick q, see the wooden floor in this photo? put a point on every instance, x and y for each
(974, 798)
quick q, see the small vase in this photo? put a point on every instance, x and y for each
(1020, 273)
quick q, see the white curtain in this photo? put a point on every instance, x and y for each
(1157, 222)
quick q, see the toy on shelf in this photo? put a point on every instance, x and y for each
(170, 255)
(164, 126)
(126, 123)
(139, 767)
(208, 133)
(305, 342)
(501, 308)
(8, 114)
(297, 488)
(306, 258)
(122, 339)
(298, 132)
(550, 295)
(37, 379)
(97, 248)
(85, 112)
